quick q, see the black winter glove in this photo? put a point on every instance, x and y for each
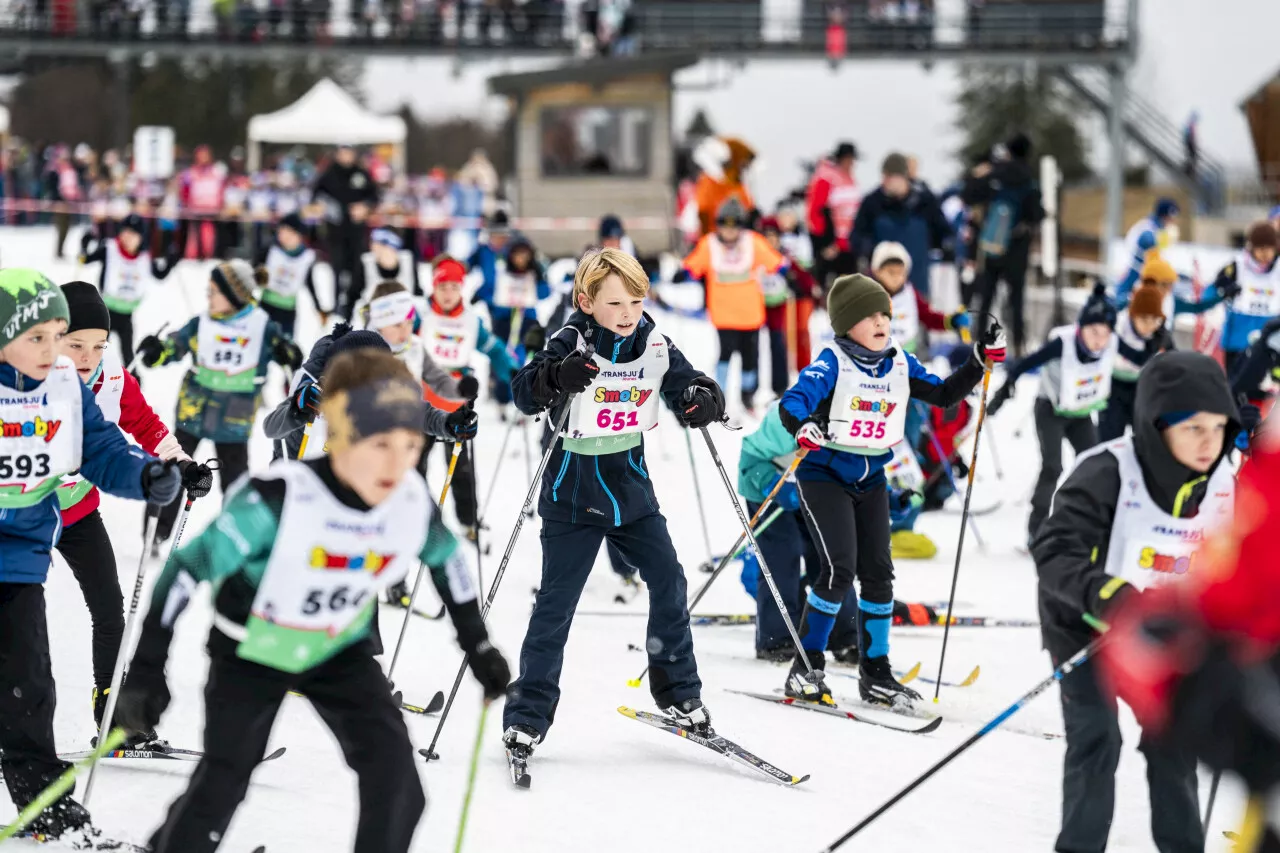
(1159, 341)
(535, 338)
(161, 482)
(197, 478)
(1250, 416)
(490, 669)
(151, 350)
(286, 354)
(463, 423)
(701, 404)
(573, 374)
(469, 387)
(304, 405)
(143, 700)
(1001, 397)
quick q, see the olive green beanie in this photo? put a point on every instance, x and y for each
(852, 299)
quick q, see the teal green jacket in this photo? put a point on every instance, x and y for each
(756, 467)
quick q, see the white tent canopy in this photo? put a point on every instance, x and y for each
(326, 115)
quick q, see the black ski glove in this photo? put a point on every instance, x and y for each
(161, 482)
(535, 338)
(469, 387)
(573, 374)
(999, 398)
(197, 478)
(286, 354)
(701, 404)
(143, 700)
(463, 423)
(1159, 341)
(151, 350)
(304, 405)
(490, 669)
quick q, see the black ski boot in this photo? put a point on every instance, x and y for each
(398, 594)
(877, 686)
(778, 655)
(520, 741)
(848, 655)
(66, 815)
(810, 688)
(142, 740)
(692, 715)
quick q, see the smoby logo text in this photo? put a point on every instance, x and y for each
(369, 562)
(38, 427)
(1168, 564)
(875, 407)
(632, 395)
(1087, 381)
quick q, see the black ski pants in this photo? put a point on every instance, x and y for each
(1012, 270)
(87, 549)
(1119, 411)
(122, 325)
(1051, 429)
(1089, 776)
(28, 757)
(352, 697)
(850, 530)
(233, 461)
(463, 487)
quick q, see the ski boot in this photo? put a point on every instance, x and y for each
(810, 688)
(691, 715)
(142, 740)
(64, 816)
(472, 533)
(520, 741)
(779, 655)
(848, 655)
(398, 594)
(877, 686)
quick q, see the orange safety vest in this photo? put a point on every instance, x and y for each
(735, 299)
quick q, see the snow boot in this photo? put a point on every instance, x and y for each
(66, 815)
(810, 688)
(877, 686)
(690, 714)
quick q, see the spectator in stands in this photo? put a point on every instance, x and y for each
(1009, 194)
(898, 213)
(349, 194)
(832, 206)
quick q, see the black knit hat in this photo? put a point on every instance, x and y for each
(346, 339)
(294, 221)
(1098, 309)
(85, 306)
(133, 222)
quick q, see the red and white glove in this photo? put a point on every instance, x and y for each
(992, 345)
(810, 436)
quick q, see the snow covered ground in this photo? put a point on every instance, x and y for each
(601, 781)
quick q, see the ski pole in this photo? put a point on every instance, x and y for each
(502, 452)
(422, 567)
(306, 436)
(697, 492)
(475, 509)
(968, 495)
(764, 566)
(60, 786)
(137, 356)
(738, 545)
(1213, 795)
(126, 644)
(471, 779)
(950, 473)
(528, 463)
(430, 751)
(1075, 662)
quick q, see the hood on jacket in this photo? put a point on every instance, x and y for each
(1169, 383)
(609, 345)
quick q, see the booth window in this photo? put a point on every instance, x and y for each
(607, 141)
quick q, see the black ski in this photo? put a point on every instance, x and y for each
(716, 743)
(84, 841)
(932, 725)
(155, 753)
(519, 770)
(432, 707)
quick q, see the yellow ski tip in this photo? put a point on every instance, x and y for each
(910, 675)
(627, 712)
(633, 682)
(973, 676)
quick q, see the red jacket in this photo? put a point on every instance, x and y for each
(931, 318)
(138, 420)
(833, 199)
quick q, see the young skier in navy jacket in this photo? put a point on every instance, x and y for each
(848, 409)
(597, 487)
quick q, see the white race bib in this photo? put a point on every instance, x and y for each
(869, 413)
(1085, 386)
(228, 351)
(624, 398)
(451, 341)
(41, 436)
(903, 470)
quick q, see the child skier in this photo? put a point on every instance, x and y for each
(297, 561)
(127, 269)
(783, 291)
(1137, 325)
(597, 487)
(1075, 382)
(85, 544)
(1130, 516)
(1251, 284)
(62, 431)
(389, 260)
(729, 263)
(912, 312)
(848, 409)
(290, 263)
(512, 290)
(231, 345)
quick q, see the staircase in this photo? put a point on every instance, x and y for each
(1154, 133)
